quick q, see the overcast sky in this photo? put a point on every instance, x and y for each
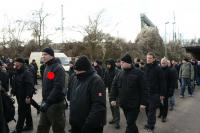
(121, 18)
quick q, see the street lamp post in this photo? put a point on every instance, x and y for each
(166, 38)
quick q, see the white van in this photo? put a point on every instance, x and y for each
(38, 56)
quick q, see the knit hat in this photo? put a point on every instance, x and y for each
(20, 60)
(82, 64)
(186, 59)
(49, 51)
(99, 62)
(110, 61)
(127, 58)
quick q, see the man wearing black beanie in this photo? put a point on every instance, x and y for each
(127, 58)
(49, 51)
(22, 88)
(87, 95)
(53, 94)
(128, 86)
(110, 73)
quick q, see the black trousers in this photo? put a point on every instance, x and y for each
(115, 112)
(152, 104)
(164, 108)
(24, 114)
(88, 130)
(131, 115)
(3, 125)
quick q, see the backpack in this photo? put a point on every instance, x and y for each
(8, 107)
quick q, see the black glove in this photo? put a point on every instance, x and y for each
(13, 92)
(85, 128)
(44, 107)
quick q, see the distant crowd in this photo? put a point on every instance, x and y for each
(143, 85)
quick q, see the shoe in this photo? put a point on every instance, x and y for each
(171, 108)
(163, 119)
(16, 131)
(181, 96)
(150, 131)
(190, 95)
(146, 127)
(117, 126)
(111, 122)
(26, 128)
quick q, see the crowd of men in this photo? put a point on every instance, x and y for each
(131, 86)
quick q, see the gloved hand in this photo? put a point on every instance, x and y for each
(44, 107)
(85, 128)
(13, 93)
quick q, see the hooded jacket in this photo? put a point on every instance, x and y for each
(87, 100)
(110, 74)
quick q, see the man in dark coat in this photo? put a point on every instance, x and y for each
(108, 79)
(155, 89)
(22, 88)
(34, 64)
(87, 99)
(98, 67)
(71, 68)
(4, 77)
(42, 68)
(174, 80)
(53, 94)
(170, 78)
(3, 124)
(129, 86)
(198, 73)
(118, 63)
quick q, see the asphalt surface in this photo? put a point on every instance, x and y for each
(185, 118)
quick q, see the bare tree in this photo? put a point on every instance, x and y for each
(37, 24)
(11, 35)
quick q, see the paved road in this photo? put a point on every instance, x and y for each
(184, 119)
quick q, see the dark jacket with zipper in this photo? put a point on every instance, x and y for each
(22, 83)
(171, 78)
(87, 100)
(4, 78)
(110, 74)
(129, 86)
(155, 80)
(53, 88)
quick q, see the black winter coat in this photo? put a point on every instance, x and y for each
(4, 78)
(198, 70)
(99, 71)
(53, 90)
(2, 118)
(155, 80)
(87, 100)
(129, 87)
(171, 78)
(22, 83)
(109, 76)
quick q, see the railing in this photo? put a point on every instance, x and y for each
(186, 44)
